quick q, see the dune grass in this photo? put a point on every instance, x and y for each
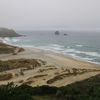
(5, 76)
(7, 49)
(20, 63)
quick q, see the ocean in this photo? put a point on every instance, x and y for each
(84, 45)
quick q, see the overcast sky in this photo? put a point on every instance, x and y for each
(38, 14)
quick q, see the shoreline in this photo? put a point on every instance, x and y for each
(66, 56)
(55, 52)
(52, 51)
(57, 65)
(61, 54)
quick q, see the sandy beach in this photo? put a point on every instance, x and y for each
(58, 71)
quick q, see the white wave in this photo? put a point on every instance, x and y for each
(87, 58)
(78, 45)
(10, 40)
(91, 60)
(61, 49)
(7, 39)
(94, 54)
(73, 55)
(49, 49)
(27, 46)
(69, 51)
(54, 47)
(14, 40)
(81, 58)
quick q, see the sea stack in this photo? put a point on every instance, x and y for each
(57, 33)
(65, 34)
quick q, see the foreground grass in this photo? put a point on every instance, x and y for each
(44, 97)
(85, 90)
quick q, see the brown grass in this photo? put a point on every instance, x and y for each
(38, 76)
(28, 82)
(4, 77)
(74, 72)
(19, 63)
(21, 81)
(47, 69)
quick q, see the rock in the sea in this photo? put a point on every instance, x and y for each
(4, 32)
(65, 34)
(57, 33)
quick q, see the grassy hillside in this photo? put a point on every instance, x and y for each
(6, 49)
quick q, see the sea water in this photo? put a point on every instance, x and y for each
(78, 44)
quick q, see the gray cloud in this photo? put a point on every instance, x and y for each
(31, 14)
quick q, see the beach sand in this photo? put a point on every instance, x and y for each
(59, 70)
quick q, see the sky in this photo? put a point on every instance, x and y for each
(48, 14)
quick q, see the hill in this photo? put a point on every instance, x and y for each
(5, 32)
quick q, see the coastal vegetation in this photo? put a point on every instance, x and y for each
(68, 73)
(88, 89)
(5, 76)
(25, 64)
